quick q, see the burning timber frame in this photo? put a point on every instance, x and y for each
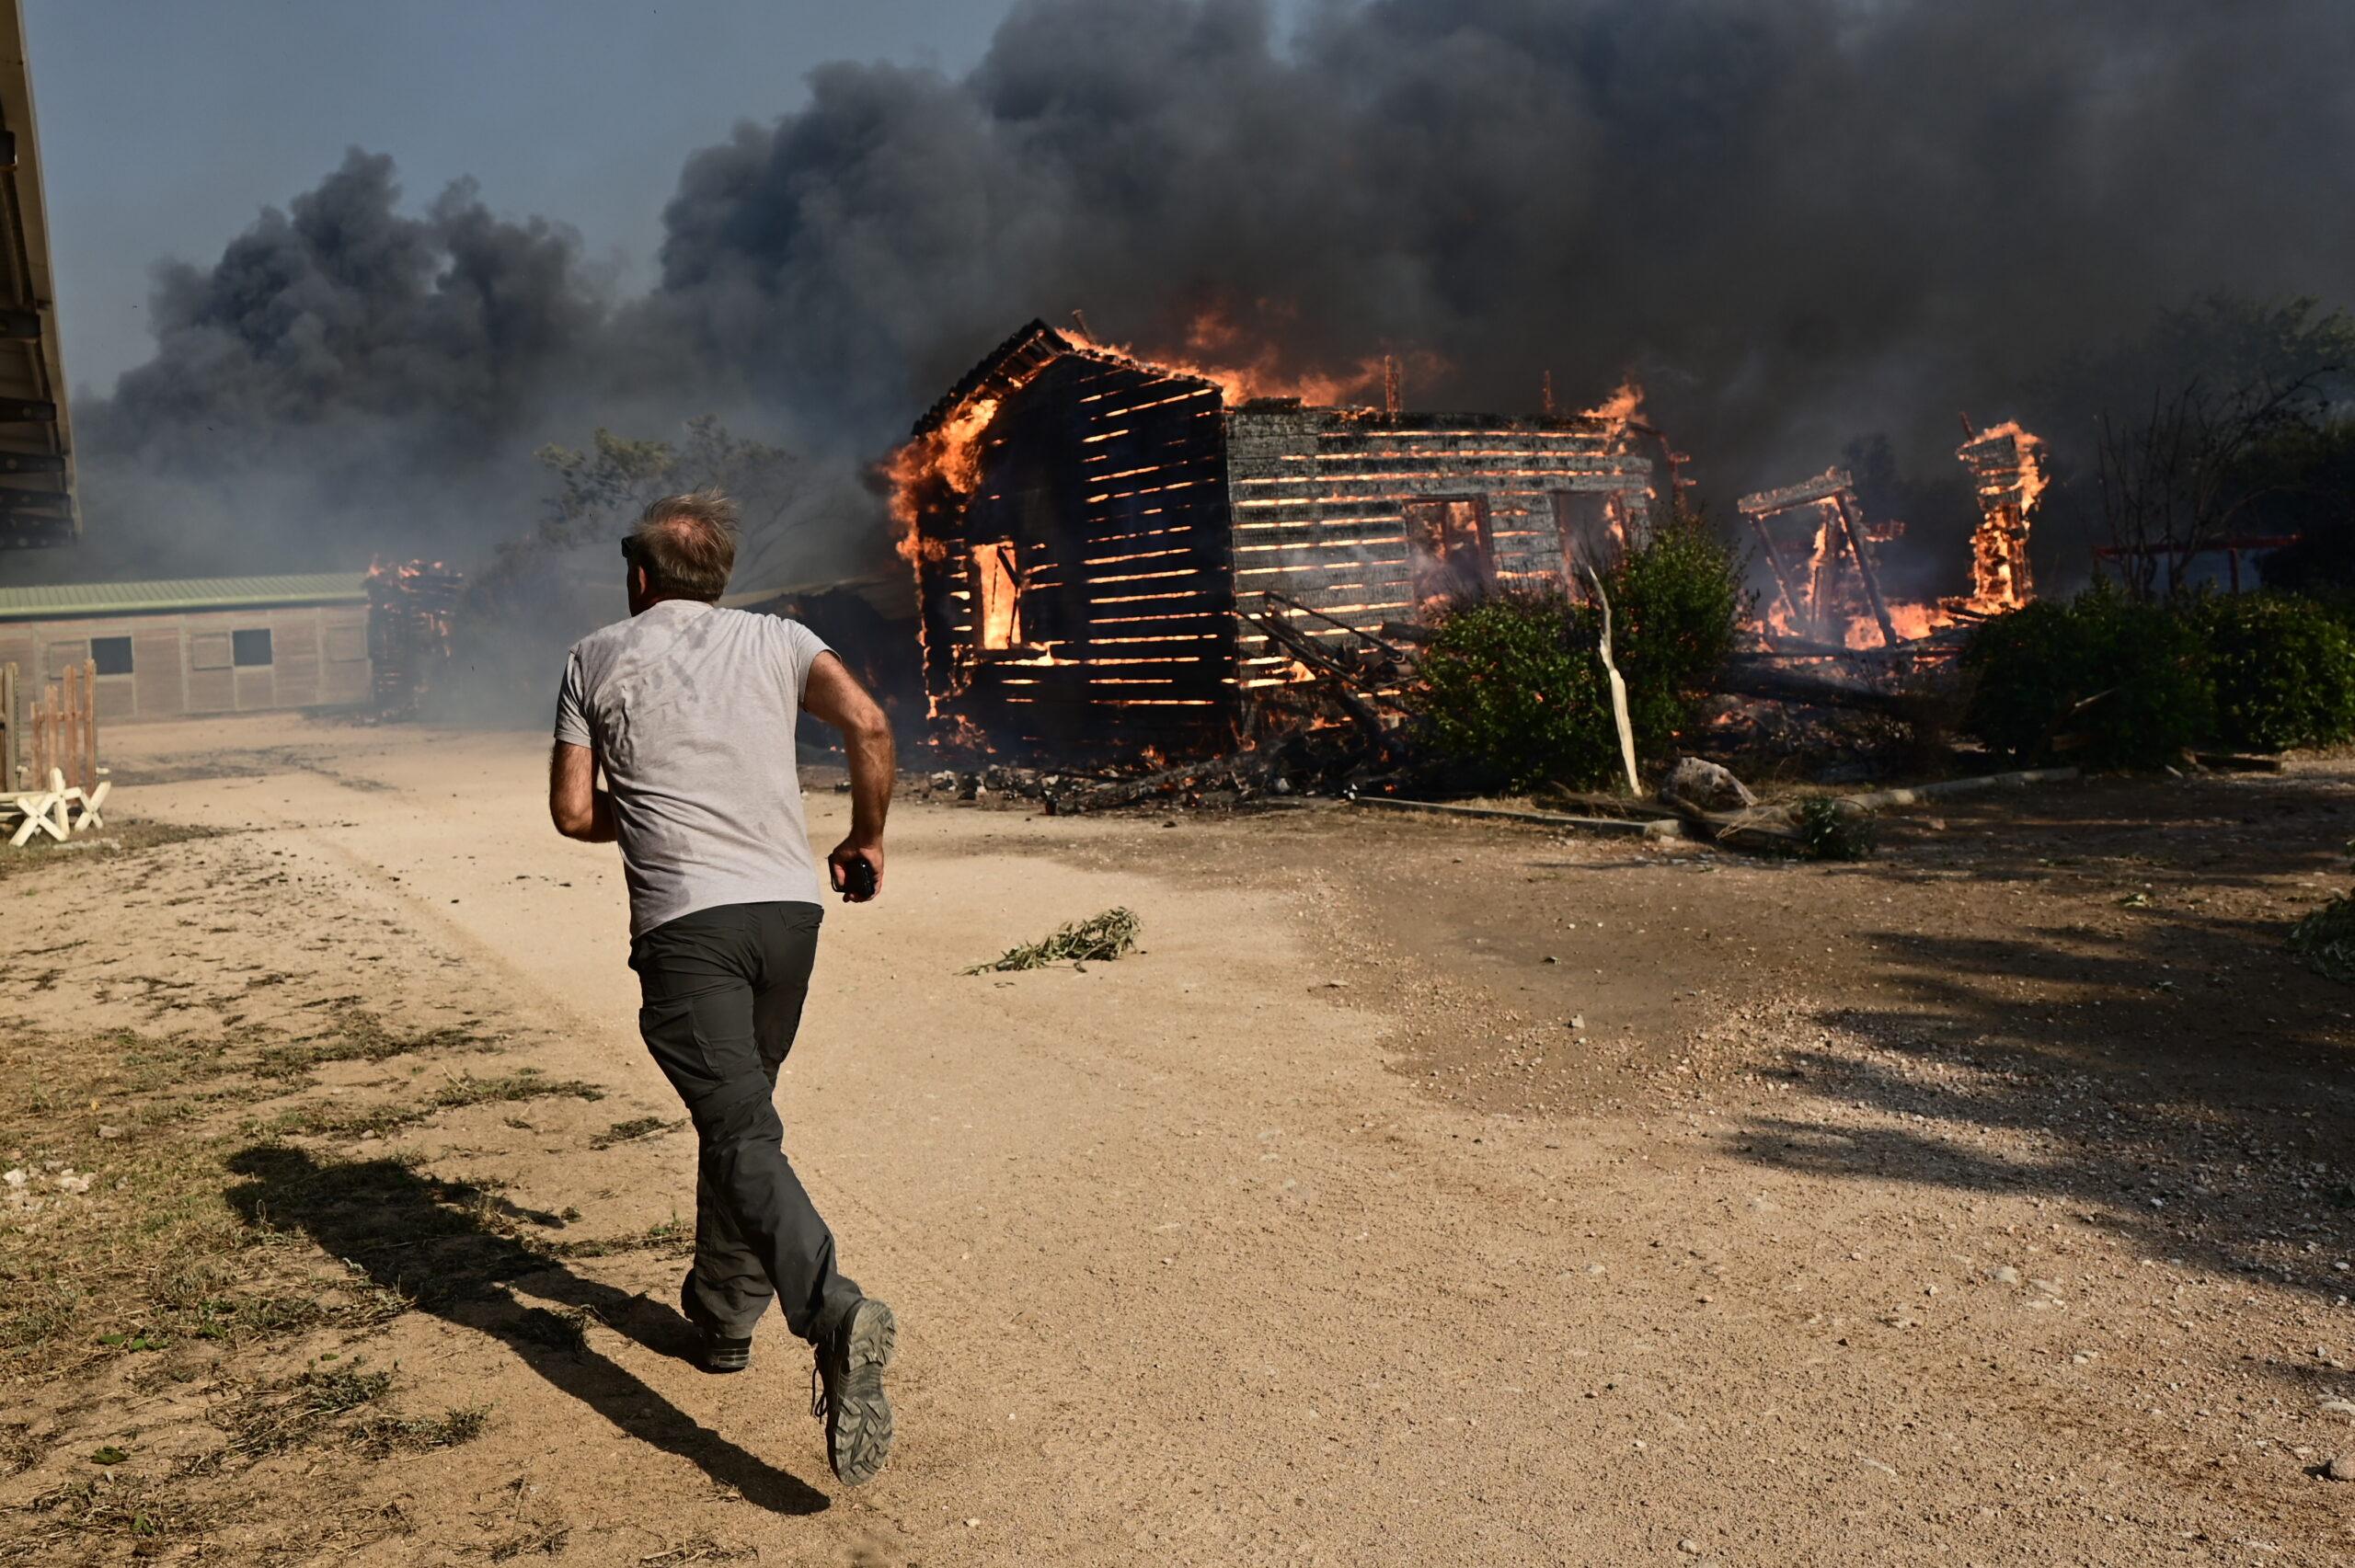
(1830, 547)
(1097, 540)
(2007, 477)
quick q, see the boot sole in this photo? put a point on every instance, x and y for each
(713, 1354)
(858, 1419)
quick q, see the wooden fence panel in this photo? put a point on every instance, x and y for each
(61, 731)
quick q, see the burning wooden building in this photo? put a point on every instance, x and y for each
(1094, 534)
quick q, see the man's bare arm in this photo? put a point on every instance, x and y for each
(578, 807)
(834, 695)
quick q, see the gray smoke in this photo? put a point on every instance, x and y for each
(338, 382)
(1799, 221)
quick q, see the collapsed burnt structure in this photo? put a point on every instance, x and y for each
(1822, 551)
(1113, 554)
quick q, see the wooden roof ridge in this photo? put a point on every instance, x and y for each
(1023, 356)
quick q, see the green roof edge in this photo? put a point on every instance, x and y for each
(81, 601)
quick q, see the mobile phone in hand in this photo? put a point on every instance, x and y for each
(858, 878)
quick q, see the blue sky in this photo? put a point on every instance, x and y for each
(166, 126)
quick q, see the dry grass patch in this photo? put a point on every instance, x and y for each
(121, 1240)
(702, 1548)
(356, 1033)
(633, 1129)
(387, 1117)
(78, 1522)
(307, 1411)
(43, 853)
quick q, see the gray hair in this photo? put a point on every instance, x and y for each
(686, 543)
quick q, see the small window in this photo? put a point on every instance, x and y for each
(249, 649)
(111, 655)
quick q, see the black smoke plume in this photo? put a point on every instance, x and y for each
(1800, 223)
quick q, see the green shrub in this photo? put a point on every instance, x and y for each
(2283, 669)
(1828, 832)
(1676, 606)
(1512, 694)
(2099, 679)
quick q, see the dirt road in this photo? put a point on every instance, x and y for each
(1420, 1193)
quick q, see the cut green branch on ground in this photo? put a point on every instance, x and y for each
(1101, 939)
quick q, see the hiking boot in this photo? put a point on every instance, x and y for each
(715, 1352)
(846, 1390)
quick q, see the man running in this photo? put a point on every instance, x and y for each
(690, 711)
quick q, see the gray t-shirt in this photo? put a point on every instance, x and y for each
(691, 710)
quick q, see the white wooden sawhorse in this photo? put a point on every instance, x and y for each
(57, 810)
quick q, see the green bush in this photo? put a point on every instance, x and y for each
(1676, 605)
(1826, 832)
(2283, 671)
(2098, 679)
(1512, 694)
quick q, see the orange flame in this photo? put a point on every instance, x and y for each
(2009, 494)
(1210, 335)
(948, 455)
(1623, 405)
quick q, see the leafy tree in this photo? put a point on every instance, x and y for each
(601, 489)
(2183, 479)
(525, 606)
(2308, 479)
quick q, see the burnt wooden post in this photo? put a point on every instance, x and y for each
(1855, 538)
(1775, 565)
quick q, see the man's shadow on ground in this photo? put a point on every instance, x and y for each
(430, 1240)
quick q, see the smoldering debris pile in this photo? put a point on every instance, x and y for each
(1338, 727)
